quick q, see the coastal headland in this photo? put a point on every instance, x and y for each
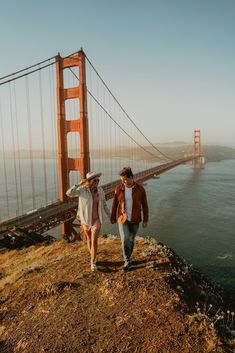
(52, 302)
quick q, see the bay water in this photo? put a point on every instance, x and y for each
(191, 211)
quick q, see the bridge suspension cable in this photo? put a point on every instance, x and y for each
(26, 74)
(29, 68)
(18, 148)
(124, 111)
(26, 68)
(14, 148)
(4, 164)
(106, 112)
(28, 137)
(30, 141)
(43, 138)
(125, 132)
(28, 151)
(52, 109)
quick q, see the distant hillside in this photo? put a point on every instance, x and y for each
(213, 153)
(175, 150)
(218, 153)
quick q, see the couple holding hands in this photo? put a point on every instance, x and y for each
(128, 202)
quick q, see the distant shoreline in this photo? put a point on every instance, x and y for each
(213, 153)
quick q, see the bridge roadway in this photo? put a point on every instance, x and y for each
(52, 215)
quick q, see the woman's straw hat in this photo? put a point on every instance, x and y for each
(90, 176)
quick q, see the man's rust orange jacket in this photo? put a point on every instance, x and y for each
(139, 199)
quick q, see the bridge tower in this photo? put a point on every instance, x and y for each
(65, 126)
(199, 162)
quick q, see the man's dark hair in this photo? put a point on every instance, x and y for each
(126, 171)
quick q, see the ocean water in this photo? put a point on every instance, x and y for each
(191, 211)
(198, 218)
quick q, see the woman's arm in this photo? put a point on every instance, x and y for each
(105, 206)
(114, 208)
(74, 191)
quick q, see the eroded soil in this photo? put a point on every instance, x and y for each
(52, 302)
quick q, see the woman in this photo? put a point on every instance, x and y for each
(91, 207)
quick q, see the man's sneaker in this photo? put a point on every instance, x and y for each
(93, 266)
(127, 266)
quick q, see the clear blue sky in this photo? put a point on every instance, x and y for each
(171, 63)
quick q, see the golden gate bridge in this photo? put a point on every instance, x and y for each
(40, 159)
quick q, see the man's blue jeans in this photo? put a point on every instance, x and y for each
(128, 232)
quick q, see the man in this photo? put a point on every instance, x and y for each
(128, 200)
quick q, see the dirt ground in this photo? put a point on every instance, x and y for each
(52, 302)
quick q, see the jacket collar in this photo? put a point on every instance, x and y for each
(123, 186)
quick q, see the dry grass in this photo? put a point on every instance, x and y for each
(52, 302)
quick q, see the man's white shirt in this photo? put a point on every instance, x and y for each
(128, 202)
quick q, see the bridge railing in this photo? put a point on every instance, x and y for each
(45, 218)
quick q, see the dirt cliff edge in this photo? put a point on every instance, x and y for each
(52, 302)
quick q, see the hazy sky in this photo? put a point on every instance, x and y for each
(171, 63)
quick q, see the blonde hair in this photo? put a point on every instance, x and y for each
(87, 184)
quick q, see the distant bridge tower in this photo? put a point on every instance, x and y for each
(199, 162)
(65, 126)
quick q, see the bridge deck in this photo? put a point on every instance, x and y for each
(52, 215)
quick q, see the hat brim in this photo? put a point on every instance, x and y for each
(83, 181)
(94, 176)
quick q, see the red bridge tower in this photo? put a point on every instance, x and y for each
(199, 162)
(65, 126)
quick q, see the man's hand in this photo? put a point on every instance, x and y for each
(144, 224)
